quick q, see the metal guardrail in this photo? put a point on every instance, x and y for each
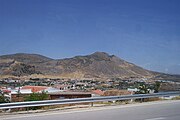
(84, 100)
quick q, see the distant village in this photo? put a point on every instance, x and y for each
(15, 90)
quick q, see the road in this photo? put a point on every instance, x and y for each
(163, 110)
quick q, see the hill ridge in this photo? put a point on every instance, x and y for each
(96, 65)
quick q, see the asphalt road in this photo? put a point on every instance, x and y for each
(164, 110)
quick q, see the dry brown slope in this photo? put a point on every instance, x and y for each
(96, 65)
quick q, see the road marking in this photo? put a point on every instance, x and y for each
(160, 118)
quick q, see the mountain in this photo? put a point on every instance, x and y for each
(96, 65)
(100, 64)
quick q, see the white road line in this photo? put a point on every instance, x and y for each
(160, 118)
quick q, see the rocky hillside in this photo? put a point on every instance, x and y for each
(96, 65)
(100, 64)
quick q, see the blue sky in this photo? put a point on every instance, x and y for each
(144, 32)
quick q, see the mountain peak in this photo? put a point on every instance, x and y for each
(100, 53)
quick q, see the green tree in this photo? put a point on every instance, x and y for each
(3, 98)
(157, 86)
(143, 89)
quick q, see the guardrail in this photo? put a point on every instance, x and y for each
(84, 100)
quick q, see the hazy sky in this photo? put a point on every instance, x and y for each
(144, 32)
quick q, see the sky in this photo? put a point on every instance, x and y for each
(143, 32)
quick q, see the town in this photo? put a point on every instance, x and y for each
(16, 90)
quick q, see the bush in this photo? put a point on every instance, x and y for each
(36, 97)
